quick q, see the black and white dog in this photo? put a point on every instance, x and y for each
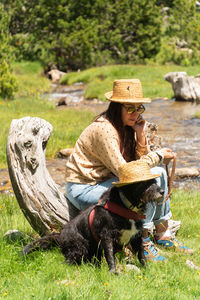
(117, 220)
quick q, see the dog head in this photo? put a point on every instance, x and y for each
(140, 193)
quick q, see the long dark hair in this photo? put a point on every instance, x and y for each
(126, 133)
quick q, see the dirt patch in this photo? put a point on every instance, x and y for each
(56, 168)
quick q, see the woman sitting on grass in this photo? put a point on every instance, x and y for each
(115, 137)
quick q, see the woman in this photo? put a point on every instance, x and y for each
(115, 137)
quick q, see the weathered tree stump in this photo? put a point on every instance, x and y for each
(44, 206)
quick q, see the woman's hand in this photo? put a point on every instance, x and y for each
(168, 155)
(139, 128)
(139, 125)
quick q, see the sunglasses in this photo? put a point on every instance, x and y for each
(140, 109)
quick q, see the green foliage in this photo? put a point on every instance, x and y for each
(170, 53)
(5, 49)
(165, 3)
(181, 37)
(8, 83)
(72, 34)
(184, 21)
(80, 34)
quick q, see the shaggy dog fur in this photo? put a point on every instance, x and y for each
(112, 231)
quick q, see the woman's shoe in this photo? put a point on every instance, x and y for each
(173, 243)
(150, 252)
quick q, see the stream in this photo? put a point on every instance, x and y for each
(177, 125)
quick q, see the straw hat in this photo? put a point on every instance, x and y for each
(127, 91)
(134, 171)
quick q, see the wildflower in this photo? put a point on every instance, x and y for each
(105, 283)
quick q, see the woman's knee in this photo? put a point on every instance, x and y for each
(162, 180)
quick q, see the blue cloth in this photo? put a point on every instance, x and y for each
(84, 195)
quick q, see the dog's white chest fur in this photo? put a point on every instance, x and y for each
(127, 234)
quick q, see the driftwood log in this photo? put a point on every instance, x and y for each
(43, 204)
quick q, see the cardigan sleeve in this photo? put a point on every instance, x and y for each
(107, 147)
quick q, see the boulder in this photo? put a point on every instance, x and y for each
(186, 88)
(65, 152)
(55, 75)
(13, 235)
(186, 172)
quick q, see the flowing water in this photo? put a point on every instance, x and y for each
(177, 126)
(179, 129)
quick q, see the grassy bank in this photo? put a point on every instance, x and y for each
(100, 80)
(42, 275)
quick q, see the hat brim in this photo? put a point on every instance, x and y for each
(109, 97)
(118, 183)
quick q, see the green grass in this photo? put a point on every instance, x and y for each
(30, 78)
(67, 124)
(100, 80)
(41, 275)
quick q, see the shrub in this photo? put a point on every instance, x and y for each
(8, 82)
(170, 53)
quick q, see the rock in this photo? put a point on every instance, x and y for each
(130, 267)
(61, 101)
(13, 235)
(65, 152)
(191, 265)
(186, 88)
(197, 4)
(186, 172)
(55, 75)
